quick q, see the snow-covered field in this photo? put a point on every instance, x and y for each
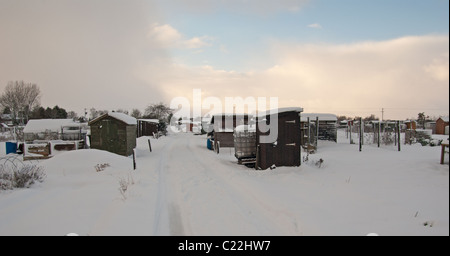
(181, 188)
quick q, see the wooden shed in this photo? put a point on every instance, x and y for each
(285, 150)
(114, 132)
(147, 127)
(441, 123)
(410, 124)
(223, 128)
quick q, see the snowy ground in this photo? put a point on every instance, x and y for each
(181, 188)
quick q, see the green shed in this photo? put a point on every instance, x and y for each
(114, 132)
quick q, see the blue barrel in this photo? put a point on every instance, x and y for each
(209, 144)
(11, 147)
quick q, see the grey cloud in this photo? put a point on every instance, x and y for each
(80, 53)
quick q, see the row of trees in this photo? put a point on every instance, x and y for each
(154, 111)
(21, 101)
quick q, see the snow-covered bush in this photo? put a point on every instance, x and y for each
(20, 177)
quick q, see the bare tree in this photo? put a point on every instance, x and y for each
(21, 98)
(158, 111)
(124, 111)
(136, 113)
(96, 113)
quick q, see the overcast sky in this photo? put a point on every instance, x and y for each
(347, 57)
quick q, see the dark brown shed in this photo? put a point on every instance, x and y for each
(114, 132)
(223, 127)
(147, 127)
(284, 149)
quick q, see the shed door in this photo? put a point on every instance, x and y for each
(110, 135)
(288, 145)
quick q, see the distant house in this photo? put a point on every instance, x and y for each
(410, 124)
(114, 132)
(53, 129)
(442, 125)
(147, 127)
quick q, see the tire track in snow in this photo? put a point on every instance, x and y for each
(167, 218)
(199, 189)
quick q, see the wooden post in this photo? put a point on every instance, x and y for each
(257, 157)
(149, 145)
(360, 134)
(398, 135)
(350, 127)
(134, 159)
(379, 133)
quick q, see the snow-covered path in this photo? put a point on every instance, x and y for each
(181, 188)
(197, 195)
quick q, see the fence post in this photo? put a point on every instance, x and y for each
(134, 159)
(398, 135)
(360, 134)
(379, 133)
(350, 127)
(149, 145)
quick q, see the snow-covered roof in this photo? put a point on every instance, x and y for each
(156, 121)
(42, 125)
(322, 117)
(123, 117)
(279, 111)
(119, 116)
(229, 115)
(444, 118)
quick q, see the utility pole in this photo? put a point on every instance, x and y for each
(382, 114)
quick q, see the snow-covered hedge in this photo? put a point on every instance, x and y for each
(20, 177)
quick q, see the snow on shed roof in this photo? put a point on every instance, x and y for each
(322, 117)
(119, 116)
(229, 115)
(42, 125)
(156, 121)
(278, 111)
(123, 117)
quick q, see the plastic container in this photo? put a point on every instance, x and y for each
(209, 144)
(11, 147)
